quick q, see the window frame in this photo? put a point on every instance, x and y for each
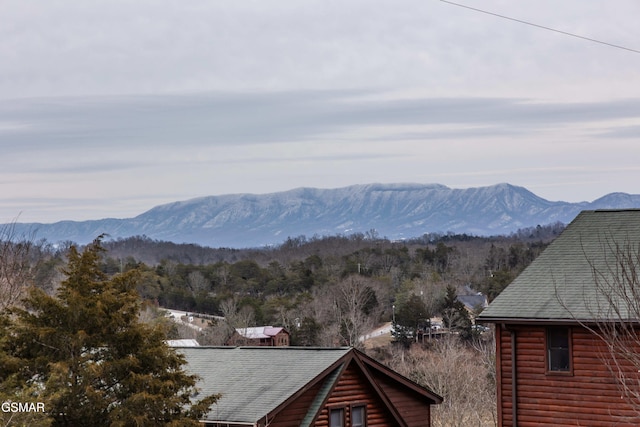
(343, 410)
(569, 350)
(362, 405)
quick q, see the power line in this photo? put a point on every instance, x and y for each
(542, 26)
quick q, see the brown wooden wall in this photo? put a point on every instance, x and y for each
(415, 411)
(281, 339)
(588, 396)
(354, 388)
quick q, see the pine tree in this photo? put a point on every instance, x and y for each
(454, 315)
(86, 356)
(411, 318)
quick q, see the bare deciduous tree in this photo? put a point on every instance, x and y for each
(460, 375)
(345, 311)
(16, 265)
(197, 281)
(615, 313)
(235, 317)
(354, 300)
(223, 274)
(322, 308)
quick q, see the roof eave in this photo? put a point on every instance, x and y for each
(551, 321)
(525, 320)
(228, 423)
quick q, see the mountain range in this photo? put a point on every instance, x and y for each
(395, 211)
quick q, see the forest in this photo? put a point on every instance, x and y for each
(304, 277)
(325, 290)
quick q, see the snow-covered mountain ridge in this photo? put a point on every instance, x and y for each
(395, 211)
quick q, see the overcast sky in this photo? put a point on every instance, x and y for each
(108, 108)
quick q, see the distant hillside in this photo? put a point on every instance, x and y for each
(395, 211)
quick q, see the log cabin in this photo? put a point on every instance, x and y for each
(305, 386)
(559, 359)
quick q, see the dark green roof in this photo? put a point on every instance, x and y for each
(254, 381)
(257, 382)
(569, 280)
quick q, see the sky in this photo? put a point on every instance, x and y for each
(109, 108)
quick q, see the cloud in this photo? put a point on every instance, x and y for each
(72, 48)
(621, 132)
(240, 118)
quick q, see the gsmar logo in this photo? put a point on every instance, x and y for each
(22, 407)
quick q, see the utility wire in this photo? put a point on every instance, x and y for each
(541, 26)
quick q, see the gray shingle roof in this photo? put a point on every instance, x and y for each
(254, 381)
(569, 280)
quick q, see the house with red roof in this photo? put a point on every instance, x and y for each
(260, 336)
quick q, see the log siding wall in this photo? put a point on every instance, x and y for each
(415, 411)
(354, 389)
(588, 396)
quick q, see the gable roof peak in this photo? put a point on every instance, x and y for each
(282, 371)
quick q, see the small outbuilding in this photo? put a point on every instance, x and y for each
(305, 387)
(262, 336)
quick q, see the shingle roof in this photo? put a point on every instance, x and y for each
(254, 381)
(561, 283)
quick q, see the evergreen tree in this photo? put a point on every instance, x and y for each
(307, 333)
(411, 318)
(86, 356)
(454, 315)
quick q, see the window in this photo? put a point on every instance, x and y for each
(358, 416)
(336, 417)
(558, 350)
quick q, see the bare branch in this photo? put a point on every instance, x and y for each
(613, 305)
(16, 265)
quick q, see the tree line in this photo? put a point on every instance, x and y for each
(328, 290)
